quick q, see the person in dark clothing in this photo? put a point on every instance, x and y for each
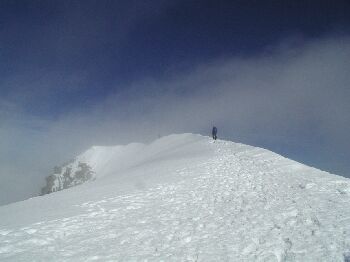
(214, 132)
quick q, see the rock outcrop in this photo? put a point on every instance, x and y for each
(67, 175)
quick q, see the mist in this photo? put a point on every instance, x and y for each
(291, 98)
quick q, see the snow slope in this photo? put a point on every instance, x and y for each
(185, 198)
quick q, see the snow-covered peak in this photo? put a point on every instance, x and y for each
(185, 198)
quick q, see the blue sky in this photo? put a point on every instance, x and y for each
(79, 73)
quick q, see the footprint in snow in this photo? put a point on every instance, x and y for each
(30, 231)
(5, 232)
(187, 239)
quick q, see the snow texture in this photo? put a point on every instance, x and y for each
(185, 198)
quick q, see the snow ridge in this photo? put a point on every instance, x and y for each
(206, 201)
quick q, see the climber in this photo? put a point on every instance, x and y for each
(214, 132)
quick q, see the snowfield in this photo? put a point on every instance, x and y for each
(185, 198)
